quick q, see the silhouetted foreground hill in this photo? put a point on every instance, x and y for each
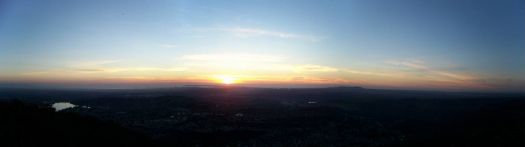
(28, 125)
(236, 116)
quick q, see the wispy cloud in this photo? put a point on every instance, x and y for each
(251, 62)
(102, 70)
(430, 71)
(318, 80)
(234, 57)
(369, 73)
(168, 45)
(132, 69)
(92, 63)
(314, 68)
(256, 32)
(170, 69)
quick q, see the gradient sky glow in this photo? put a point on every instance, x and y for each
(407, 44)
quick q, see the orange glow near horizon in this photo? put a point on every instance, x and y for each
(402, 75)
(312, 77)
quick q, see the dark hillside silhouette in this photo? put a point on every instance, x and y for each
(28, 125)
(241, 116)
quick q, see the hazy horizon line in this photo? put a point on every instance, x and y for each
(34, 86)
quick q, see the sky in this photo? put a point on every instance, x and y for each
(465, 45)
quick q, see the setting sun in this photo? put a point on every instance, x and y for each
(227, 80)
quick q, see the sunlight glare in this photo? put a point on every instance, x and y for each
(228, 80)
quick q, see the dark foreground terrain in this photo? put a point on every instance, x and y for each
(236, 116)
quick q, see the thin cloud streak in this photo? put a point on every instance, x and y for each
(93, 63)
(168, 46)
(233, 57)
(256, 32)
(314, 68)
(101, 70)
(429, 71)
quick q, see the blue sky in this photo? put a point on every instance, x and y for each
(430, 44)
